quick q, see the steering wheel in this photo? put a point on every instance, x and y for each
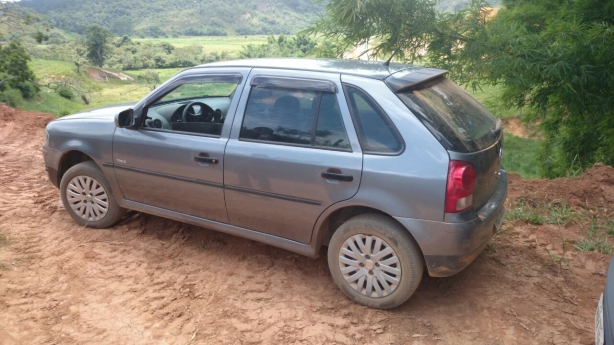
(207, 114)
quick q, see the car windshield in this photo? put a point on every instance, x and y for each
(458, 120)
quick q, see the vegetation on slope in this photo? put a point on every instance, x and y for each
(159, 18)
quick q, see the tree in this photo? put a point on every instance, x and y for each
(78, 58)
(551, 57)
(14, 64)
(17, 22)
(98, 41)
(383, 25)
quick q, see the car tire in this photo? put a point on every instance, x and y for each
(87, 196)
(359, 267)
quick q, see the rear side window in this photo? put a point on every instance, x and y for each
(295, 117)
(459, 122)
(376, 132)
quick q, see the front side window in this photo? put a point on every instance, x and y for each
(295, 117)
(195, 107)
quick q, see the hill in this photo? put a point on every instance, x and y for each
(159, 18)
(164, 18)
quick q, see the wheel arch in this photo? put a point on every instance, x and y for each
(333, 217)
(69, 159)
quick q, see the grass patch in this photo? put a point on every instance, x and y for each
(598, 236)
(519, 155)
(522, 211)
(490, 96)
(561, 214)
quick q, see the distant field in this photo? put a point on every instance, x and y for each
(209, 43)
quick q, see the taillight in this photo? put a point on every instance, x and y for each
(461, 183)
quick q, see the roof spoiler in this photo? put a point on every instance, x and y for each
(408, 79)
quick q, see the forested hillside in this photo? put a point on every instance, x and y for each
(158, 18)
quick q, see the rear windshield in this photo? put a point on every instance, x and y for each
(459, 122)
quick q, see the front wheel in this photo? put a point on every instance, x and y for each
(87, 197)
(374, 261)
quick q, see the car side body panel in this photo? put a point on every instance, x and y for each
(91, 135)
(277, 188)
(410, 184)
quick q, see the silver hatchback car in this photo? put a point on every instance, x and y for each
(393, 167)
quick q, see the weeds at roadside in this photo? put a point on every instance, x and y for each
(597, 239)
(524, 212)
(561, 214)
(556, 260)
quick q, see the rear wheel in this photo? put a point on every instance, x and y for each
(375, 261)
(87, 197)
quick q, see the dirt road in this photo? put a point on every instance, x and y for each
(149, 280)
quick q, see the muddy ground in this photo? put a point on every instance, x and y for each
(149, 280)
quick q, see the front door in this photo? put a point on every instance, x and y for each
(175, 160)
(293, 153)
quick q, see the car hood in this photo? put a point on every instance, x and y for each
(108, 112)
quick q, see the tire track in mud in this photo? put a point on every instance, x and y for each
(151, 280)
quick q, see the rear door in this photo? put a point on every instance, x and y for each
(292, 153)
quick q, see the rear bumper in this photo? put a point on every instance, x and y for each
(52, 163)
(449, 247)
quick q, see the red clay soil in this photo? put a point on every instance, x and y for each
(150, 280)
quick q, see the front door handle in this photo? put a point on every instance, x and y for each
(204, 158)
(335, 174)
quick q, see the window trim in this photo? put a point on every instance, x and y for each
(182, 81)
(313, 128)
(277, 82)
(357, 124)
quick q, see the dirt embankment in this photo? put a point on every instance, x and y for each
(151, 280)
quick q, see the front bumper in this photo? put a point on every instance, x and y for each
(52, 164)
(450, 247)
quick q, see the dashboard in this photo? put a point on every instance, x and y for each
(163, 115)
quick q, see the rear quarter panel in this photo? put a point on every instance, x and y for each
(411, 184)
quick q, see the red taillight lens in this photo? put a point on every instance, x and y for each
(461, 183)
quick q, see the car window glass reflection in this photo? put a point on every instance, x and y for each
(195, 108)
(289, 116)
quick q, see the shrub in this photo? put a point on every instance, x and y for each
(11, 97)
(65, 92)
(28, 89)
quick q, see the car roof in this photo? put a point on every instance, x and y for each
(367, 69)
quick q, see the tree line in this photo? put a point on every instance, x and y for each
(552, 58)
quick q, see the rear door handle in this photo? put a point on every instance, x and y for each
(335, 174)
(204, 158)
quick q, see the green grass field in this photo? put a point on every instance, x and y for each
(520, 155)
(209, 43)
(490, 96)
(100, 94)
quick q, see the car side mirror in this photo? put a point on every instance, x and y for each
(125, 119)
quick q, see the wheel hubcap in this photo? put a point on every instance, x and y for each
(87, 198)
(370, 266)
